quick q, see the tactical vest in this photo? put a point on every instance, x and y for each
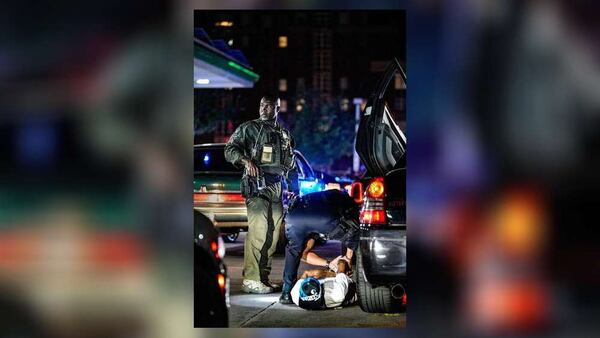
(273, 151)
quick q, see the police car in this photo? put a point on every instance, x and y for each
(217, 188)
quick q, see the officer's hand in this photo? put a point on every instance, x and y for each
(290, 195)
(251, 168)
(333, 265)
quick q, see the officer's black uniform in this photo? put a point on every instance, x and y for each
(332, 213)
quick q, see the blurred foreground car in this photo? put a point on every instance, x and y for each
(217, 188)
(381, 258)
(73, 260)
(211, 284)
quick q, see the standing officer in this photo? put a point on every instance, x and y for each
(265, 150)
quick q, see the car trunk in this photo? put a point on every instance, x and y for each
(217, 182)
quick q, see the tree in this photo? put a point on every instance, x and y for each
(323, 132)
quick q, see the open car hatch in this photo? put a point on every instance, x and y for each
(380, 143)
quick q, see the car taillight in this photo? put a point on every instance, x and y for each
(356, 192)
(372, 216)
(376, 188)
(221, 281)
(373, 210)
(218, 248)
(218, 197)
(214, 247)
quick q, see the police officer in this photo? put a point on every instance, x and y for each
(265, 150)
(331, 213)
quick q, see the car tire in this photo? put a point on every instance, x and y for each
(230, 237)
(374, 299)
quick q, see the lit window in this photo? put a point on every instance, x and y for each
(224, 23)
(283, 42)
(282, 85)
(345, 104)
(283, 106)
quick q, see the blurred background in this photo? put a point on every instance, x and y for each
(95, 195)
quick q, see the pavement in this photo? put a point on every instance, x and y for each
(252, 310)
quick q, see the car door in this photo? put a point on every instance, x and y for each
(380, 143)
(306, 177)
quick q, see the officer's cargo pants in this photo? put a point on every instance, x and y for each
(265, 215)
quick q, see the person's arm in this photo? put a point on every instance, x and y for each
(235, 151)
(317, 273)
(235, 147)
(349, 254)
(314, 259)
(307, 249)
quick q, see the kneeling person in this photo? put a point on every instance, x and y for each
(321, 289)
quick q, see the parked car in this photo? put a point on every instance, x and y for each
(211, 284)
(217, 188)
(381, 257)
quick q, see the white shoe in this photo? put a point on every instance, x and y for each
(253, 286)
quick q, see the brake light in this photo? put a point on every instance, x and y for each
(218, 248)
(373, 210)
(218, 197)
(376, 188)
(221, 282)
(372, 216)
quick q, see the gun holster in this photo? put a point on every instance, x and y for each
(249, 186)
(252, 186)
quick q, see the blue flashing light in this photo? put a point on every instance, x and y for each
(337, 179)
(206, 159)
(306, 187)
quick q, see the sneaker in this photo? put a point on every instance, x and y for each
(252, 286)
(275, 287)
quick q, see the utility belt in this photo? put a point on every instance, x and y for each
(253, 186)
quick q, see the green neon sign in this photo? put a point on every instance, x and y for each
(243, 69)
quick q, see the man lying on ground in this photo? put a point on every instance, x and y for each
(320, 289)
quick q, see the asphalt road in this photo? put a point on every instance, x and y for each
(251, 310)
